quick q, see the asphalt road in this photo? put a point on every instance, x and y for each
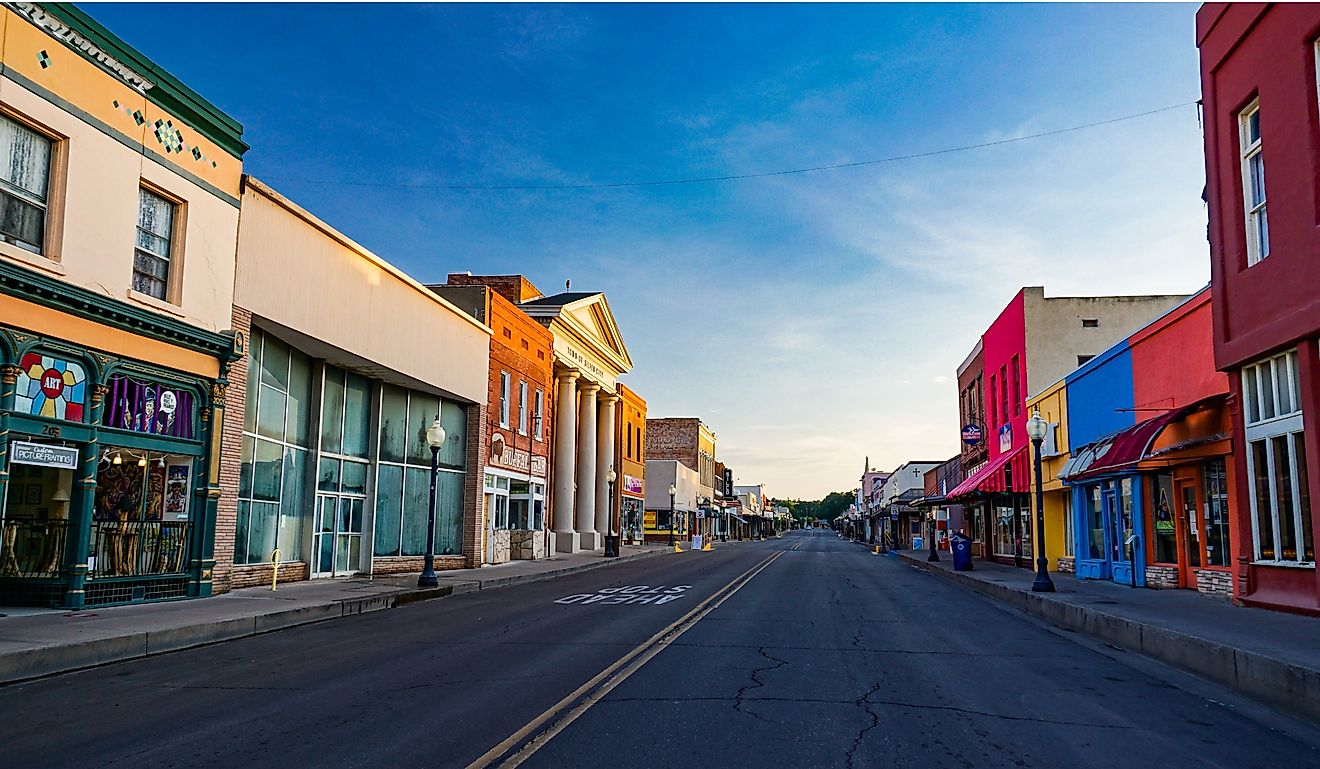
(827, 656)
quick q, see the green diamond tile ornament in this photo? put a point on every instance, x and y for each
(43, 59)
(196, 153)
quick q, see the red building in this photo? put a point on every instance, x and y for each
(1259, 86)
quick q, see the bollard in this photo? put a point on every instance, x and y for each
(275, 570)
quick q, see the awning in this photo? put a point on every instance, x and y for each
(990, 478)
(1124, 449)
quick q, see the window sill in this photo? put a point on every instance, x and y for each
(154, 303)
(1286, 564)
(29, 259)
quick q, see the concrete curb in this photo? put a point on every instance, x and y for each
(1285, 686)
(64, 658)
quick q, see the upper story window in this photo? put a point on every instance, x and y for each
(994, 399)
(522, 407)
(538, 416)
(155, 244)
(25, 162)
(1270, 389)
(504, 399)
(1017, 386)
(1253, 182)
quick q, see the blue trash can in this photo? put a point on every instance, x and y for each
(962, 552)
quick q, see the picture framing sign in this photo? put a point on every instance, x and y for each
(43, 455)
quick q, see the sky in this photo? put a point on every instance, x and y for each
(812, 320)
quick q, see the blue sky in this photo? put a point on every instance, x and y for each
(811, 320)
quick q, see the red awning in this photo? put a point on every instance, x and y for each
(990, 478)
(1125, 448)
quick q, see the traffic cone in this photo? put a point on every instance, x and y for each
(707, 547)
(875, 550)
(677, 549)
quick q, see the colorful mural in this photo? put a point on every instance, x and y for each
(148, 407)
(51, 387)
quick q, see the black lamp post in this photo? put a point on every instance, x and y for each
(1036, 427)
(435, 438)
(611, 536)
(672, 492)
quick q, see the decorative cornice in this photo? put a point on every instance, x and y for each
(84, 35)
(76, 300)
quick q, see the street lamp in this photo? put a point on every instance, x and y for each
(435, 438)
(611, 536)
(672, 492)
(1036, 427)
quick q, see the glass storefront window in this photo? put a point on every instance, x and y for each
(402, 506)
(389, 503)
(276, 423)
(1165, 538)
(393, 423)
(332, 410)
(1095, 524)
(1214, 477)
(1125, 522)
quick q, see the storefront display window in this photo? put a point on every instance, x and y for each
(1125, 522)
(272, 499)
(140, 514)
(402, 487)
(1165, 538)
(1215, 488)
(1276, 457)
(50, 386)
(148, 407)
(1095, 524)
(1068, 545)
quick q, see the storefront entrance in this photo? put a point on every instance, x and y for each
(1110, 529)
(337, 535)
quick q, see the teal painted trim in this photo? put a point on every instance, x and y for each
(127, 439)
(104, 128)
(76, 300)
(22, 426)
(168, 91)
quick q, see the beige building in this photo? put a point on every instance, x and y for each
(329, 470)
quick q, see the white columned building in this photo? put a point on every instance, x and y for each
(589, 358)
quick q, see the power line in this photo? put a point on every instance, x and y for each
(739, 177)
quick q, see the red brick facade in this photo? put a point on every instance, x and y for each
(674, 438)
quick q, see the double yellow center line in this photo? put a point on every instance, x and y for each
(524, 743)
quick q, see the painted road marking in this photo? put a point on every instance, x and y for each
(536, 733)
(646, 595)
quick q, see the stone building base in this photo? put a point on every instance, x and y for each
(527, 545)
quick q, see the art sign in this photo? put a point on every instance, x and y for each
(51, 387)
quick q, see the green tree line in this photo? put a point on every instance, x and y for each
(827, 509)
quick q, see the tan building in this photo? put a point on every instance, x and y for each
(329, 471)
(692, 442)
(630, 464)
(120, 197)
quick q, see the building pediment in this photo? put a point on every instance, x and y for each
(586, 335)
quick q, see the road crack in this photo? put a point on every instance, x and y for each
(865, 703)
(757, 683)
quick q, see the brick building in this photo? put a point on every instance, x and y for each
(519, 415)
(690, 441)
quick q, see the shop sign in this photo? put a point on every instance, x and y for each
(728, 482)
(23, 453)
(506, 456)
(632, 484)
(1005, 438)
(971, 435)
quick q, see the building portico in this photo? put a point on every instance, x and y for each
(589, 358)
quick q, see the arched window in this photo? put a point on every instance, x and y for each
(51, 386)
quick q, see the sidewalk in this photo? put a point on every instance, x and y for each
(40, 644)
(1270, 656)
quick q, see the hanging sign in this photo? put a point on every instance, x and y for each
(42, 455)
(971, 434)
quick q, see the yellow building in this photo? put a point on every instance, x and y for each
(1053, 405)
(120, 198)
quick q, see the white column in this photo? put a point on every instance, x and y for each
(584, 510)
(604, 461)
(566, 540)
